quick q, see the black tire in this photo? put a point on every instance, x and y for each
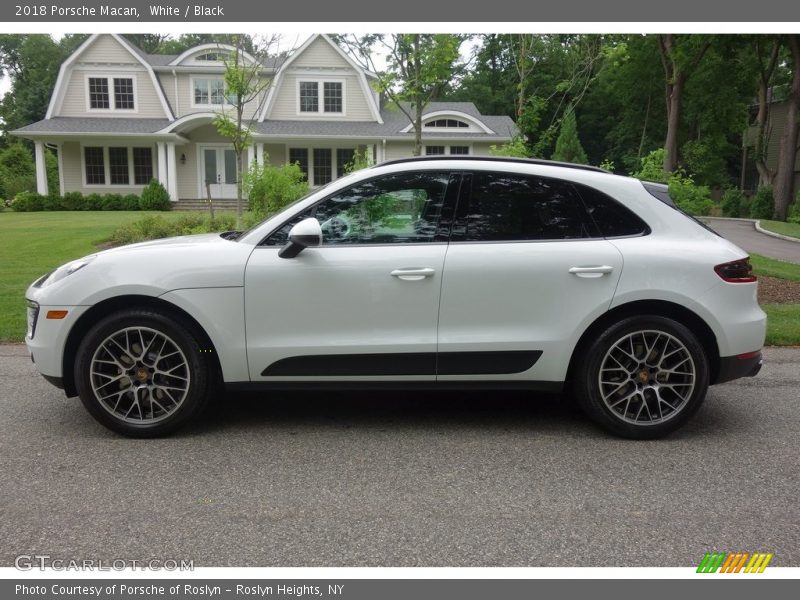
(169, 407)
(615, 413)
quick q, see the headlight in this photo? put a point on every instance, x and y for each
(33, 315)
(67, 269)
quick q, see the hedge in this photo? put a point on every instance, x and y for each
(33, 202)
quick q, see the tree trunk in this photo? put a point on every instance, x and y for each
(784, 176)
(765, 174)
(418, 99)
(674, 97)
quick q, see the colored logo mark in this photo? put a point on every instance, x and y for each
(734, 562)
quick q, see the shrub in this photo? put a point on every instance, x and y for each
(17, 170)
(28, 202)
(652, 167)
(130, 202)
(694, 199)
(73, 201)
(53, 202)
(361, 160)
(794, 210)
(93, 202)
(112, 202)
(762, 206)
(155, 197)
(516, 148)
(152, 227)
(270, 188)
(732, 203)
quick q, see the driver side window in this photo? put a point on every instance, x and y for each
(394, 209)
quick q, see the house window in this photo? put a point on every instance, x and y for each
(299, 156)
(344, 156)
(446, 124)
(433, 150)
(309, 96)
(459, 149)
(98, 92)
(211, 57)
(323, 164)
(142, 165)
(209, 92)
(123, 93)
(118, 166)
(95, 165)
(437, 150)
(320, 97)
(333, 96)
(123, 165)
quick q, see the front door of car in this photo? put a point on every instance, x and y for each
(525, 270)
(363, 305)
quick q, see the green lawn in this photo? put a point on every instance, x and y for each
(783, 324)
(769, 267)
(790, 229)
(31, 244)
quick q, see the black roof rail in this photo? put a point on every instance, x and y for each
(525, 161)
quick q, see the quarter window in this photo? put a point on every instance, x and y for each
(511, 207)
(611, 217)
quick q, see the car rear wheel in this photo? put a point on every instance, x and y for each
(142, 373)
(643, 377)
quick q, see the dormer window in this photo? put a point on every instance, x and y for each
(446, 124)
(320, 97)
(208, 91)
(111, 93)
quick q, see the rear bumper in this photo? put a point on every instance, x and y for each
(743, 365)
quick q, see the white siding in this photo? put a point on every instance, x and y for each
(182, 102)
(104, 50)
(355, 107)
(396, 150)
(320, 54)
(75, 103)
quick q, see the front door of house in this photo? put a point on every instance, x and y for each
(219, 172)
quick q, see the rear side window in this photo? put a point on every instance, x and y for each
(498, 207)
(612, 218)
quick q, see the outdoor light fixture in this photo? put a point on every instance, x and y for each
(183, 159)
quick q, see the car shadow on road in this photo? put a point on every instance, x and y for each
(391, 410)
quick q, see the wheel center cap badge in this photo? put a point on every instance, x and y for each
(644, 376)
(141, 374)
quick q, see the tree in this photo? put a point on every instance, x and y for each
(245, 94)
(787, 153)
(419, 67)
(766, 53)
(680, 55)
(568, 146)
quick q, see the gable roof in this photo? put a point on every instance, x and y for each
(134, 52)
(361, 72)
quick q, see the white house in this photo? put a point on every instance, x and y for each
(119, 117)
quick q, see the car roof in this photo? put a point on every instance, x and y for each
(497, 159)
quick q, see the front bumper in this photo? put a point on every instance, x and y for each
(49, 340)
(743, 365)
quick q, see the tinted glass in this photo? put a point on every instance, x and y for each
(513, 207)
(394, 209)
(611, 218)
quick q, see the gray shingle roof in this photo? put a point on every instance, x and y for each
(94, 125)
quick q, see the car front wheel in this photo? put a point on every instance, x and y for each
(142, 373)
(643, 377)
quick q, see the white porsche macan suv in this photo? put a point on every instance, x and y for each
(438, 272)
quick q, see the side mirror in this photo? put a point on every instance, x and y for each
(306, 234)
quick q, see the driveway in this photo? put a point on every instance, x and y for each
(481, 479)
(745, 235)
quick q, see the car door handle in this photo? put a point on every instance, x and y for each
(591, 272)
(413, 274)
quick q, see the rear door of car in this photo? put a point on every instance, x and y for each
(525, 271)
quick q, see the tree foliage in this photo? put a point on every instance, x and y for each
(568, 145)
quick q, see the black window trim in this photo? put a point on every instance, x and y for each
(647, 231)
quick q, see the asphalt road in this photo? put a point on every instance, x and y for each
(745, 235)
(485, 479)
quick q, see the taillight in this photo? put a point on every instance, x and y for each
(736, 271)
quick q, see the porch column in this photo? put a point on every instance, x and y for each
(251, 155)
(260, 154)
(162, 163)
(172, 173)
(41, 169)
